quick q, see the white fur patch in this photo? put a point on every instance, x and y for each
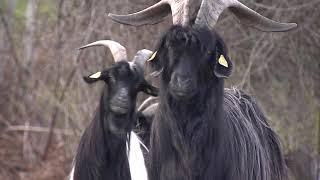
(71, 174)
(137, 165)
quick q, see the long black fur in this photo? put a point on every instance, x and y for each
(220, 134)
(102, 154)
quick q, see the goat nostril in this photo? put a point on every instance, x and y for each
(122, 99)
(184, 81)
(120, 103)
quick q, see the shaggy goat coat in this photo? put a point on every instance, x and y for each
(217, 135)
(104, 155)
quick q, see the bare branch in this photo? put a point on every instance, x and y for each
(36, 129)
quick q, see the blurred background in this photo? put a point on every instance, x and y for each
(45, 105)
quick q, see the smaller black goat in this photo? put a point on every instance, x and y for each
(108, 141)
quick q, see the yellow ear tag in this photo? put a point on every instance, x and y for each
(95, 75)
(223, 61)
(152, 57)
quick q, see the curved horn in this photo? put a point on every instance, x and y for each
(118, 51)
(203, 13)
(150, 111)
(141, 57)
(151, 15)
(243, 13)
(147, 102)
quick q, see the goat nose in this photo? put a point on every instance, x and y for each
(123, 92)
(120, 105)
(183, 81)
(121, 98)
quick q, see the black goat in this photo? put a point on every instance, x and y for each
(200, 130)
(102, 152)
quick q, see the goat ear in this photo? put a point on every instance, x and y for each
(223, 65)
(149, 89)
(155, 64)
(94, 77)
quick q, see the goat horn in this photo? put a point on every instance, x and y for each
(147, 102)
(141, 57)
(202, 13)
(150, 111)
(243, 13)
(152, 15)
(118, 51)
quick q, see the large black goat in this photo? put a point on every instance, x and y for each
(102, 152)
(200, 130)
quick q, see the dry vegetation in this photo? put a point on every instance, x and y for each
(45, 106)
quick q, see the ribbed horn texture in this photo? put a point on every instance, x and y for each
(201, 13)
(151, 15)
(118, 51)
(210, 11)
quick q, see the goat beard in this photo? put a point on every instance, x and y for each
(186, 130)
(196, 111)
(119, 125)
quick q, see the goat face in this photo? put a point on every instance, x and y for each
(184, 75)
(189, 58)
(123, 82)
